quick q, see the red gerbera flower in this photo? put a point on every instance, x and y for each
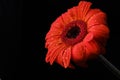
(77, 35)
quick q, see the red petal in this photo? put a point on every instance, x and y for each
(66, 57)
(73, 13)
(59, 59)
(96, 19)
(56, 28)
(83, 9)
(100, 32)
(58, 24)
(78, 52)
(50, 44)
(88, 37)
(52, 54)
(52, 39)
(91, 13)
(92, 49)
(78, 55)
(53, 33)
(67, 18)
(50, 50)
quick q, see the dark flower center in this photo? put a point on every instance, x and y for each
(74, 32)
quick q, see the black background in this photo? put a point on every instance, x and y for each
(23, 27)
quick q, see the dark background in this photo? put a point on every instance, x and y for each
(23, 27)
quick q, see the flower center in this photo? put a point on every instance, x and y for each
(74, 32)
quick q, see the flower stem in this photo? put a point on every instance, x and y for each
(110, 66)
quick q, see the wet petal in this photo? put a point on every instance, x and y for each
(58, 24)
(92, 49)
(53, 53)
(53, 33)
(91, 13)
(96, 19)
(50, 50)
(66, 18)
(100, 32)
(73, 13)
(53, 38)
(88, 37)
(50, 44)
(78, 52)
(59, 59)
(83, 8)
(66, 57)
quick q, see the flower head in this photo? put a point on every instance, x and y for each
(76, 36)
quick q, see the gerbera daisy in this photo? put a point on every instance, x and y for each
(77, 35)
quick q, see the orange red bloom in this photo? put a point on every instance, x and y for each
(76, 36)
